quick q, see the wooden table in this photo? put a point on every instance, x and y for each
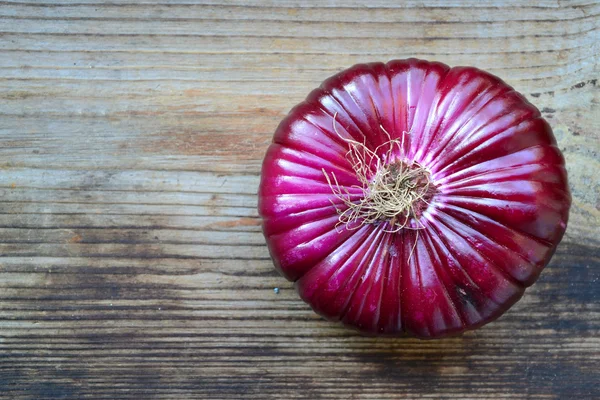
(132, 263)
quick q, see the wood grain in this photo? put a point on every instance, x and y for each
(132, 263)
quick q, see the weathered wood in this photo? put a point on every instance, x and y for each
(131, 259)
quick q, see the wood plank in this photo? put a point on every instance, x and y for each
(132, 263)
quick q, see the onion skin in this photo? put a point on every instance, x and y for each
(500, 209)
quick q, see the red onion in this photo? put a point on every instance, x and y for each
(411, 198)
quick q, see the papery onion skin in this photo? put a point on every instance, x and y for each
(500, 209)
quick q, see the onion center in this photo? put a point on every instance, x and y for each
(398, 193)
(393, 190)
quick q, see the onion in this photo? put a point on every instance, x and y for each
(411, 198)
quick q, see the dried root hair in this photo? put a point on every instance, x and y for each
(389, 195)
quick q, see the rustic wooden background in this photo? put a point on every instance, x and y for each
(131, 259)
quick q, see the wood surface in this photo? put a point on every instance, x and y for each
(132, 265)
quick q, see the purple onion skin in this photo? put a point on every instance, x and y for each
(499, 211)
